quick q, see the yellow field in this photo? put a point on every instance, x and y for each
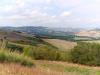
(61, 44)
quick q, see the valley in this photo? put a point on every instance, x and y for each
(49, 37)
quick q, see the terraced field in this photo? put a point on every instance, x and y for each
(61, 44)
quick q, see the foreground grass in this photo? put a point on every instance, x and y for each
(13, 57)
(63, 68)
(48, 68)
(15, 69)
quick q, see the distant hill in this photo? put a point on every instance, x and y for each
(90, 33)
(57, 33)
(14, 35)
(20, 37)
(44, 30)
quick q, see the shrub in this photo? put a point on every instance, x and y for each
(86, 53)
(45, 52)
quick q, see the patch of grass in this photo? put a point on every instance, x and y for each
(70, 69)
(6, 56)
(83, 71)
(66, 69)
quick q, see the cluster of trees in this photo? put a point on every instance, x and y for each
(86, 53)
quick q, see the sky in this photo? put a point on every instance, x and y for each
(50, 13)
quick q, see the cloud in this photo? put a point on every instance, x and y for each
(63, 4)
(65, 13)
(20, 3)
(50, 12)
(36, 13)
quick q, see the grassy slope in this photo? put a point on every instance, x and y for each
(63, 68)
(49, 68)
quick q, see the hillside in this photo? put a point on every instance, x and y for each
(22, 53)
(20, 37)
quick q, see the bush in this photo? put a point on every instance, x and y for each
(45, 52)
(86, 53)
(6, 56)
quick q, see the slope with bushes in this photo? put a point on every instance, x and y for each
(86, 53)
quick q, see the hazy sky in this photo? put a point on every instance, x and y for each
(53, 13)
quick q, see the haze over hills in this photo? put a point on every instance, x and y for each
(39, 30)
(72, 34)
(62, 33)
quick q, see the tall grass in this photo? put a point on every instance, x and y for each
(9, 57)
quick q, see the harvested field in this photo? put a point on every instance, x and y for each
(61, 44)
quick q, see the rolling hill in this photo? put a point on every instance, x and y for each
(20, 37)
(48, 55)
